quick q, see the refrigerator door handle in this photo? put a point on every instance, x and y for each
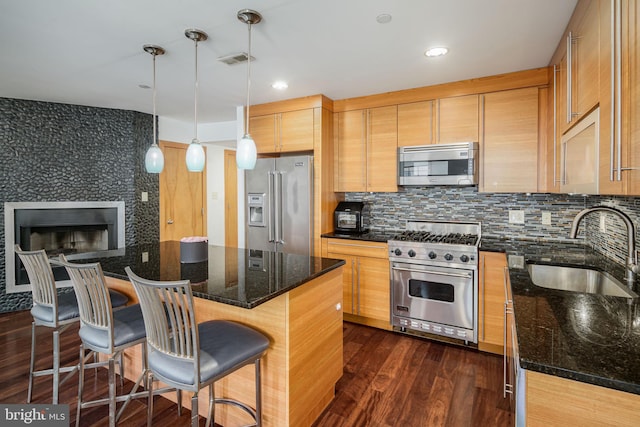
(278, 204)
(271, 221)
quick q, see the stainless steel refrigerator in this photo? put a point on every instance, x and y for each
(279, 196)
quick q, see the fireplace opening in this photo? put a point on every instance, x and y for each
(67, 228)
(69, 240)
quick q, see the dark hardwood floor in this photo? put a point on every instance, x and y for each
(389, 380)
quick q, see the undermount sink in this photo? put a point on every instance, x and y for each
(575, 279)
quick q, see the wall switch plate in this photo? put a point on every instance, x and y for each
(516, 261)
(546, 218)
(603, 223)
(145, 196)
(516, 216)
(214, 195)
(145, 256)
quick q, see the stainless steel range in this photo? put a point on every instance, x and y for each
(434, 279)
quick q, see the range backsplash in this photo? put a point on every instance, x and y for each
(391, 211)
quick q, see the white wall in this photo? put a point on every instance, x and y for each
(216, 137)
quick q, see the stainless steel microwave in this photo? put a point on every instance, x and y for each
(438, 164)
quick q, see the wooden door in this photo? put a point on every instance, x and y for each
(415, 123)
(296, 130)
(264, 132)
(230, 199)
(586, 60)
(182, 196)
(374, 295)
(509, 147)
(491, 302)
(382, 149)
(348, 281)
(457, 119)
(350, 151)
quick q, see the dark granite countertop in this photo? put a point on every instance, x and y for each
(370, 235)
(241, 277)
(584, 337)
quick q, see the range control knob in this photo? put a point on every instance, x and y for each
(464, 258)
(398, 252)
(448, 257)
(412, 253)
(432, 255)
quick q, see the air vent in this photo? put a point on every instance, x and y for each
(235, 58)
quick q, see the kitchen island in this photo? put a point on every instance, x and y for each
(295, 300)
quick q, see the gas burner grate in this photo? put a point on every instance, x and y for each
(428, 237)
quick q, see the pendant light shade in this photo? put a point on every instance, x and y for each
(154, 159)
(246, 152)
(195, 157)
(195, 153)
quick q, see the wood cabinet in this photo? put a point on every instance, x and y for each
(579, 64)
(415, 123)
(599, 68)
(283, 132)
(509, 142)
(457, 119)
(556, 401)
(491, 302)
(366, 290)
(366, 150)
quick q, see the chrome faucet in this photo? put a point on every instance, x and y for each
(632, 256)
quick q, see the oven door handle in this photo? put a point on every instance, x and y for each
(441, 273)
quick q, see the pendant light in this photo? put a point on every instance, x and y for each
(246, 152)
(154, 159)
(195, 153)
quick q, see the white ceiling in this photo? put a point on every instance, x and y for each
(89, 52)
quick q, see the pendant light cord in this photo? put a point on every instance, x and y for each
(246, 123)
(155, 137)
(195, 97)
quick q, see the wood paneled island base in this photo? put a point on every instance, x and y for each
(301, 366)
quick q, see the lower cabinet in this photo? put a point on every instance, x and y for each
(556, 401)
(366, 289)
(491, 297)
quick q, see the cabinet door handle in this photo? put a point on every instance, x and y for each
(169, 221)
(555, 125)
(569, 70)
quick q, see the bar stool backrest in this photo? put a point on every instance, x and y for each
(169, 318)
(43, 284)
(94, 303)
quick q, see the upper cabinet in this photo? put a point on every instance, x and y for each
(596, 65)
(366, 150)
(509, 143)
(457, 119)
(583, 61)
(415, 123)
(283, 132)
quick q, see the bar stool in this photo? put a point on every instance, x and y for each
(104, 331)
(52, 311)
(189, 355)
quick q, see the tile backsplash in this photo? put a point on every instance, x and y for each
(391, 211)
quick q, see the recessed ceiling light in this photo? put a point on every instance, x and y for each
(383, 18)
(280, 85)
(436, 51)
